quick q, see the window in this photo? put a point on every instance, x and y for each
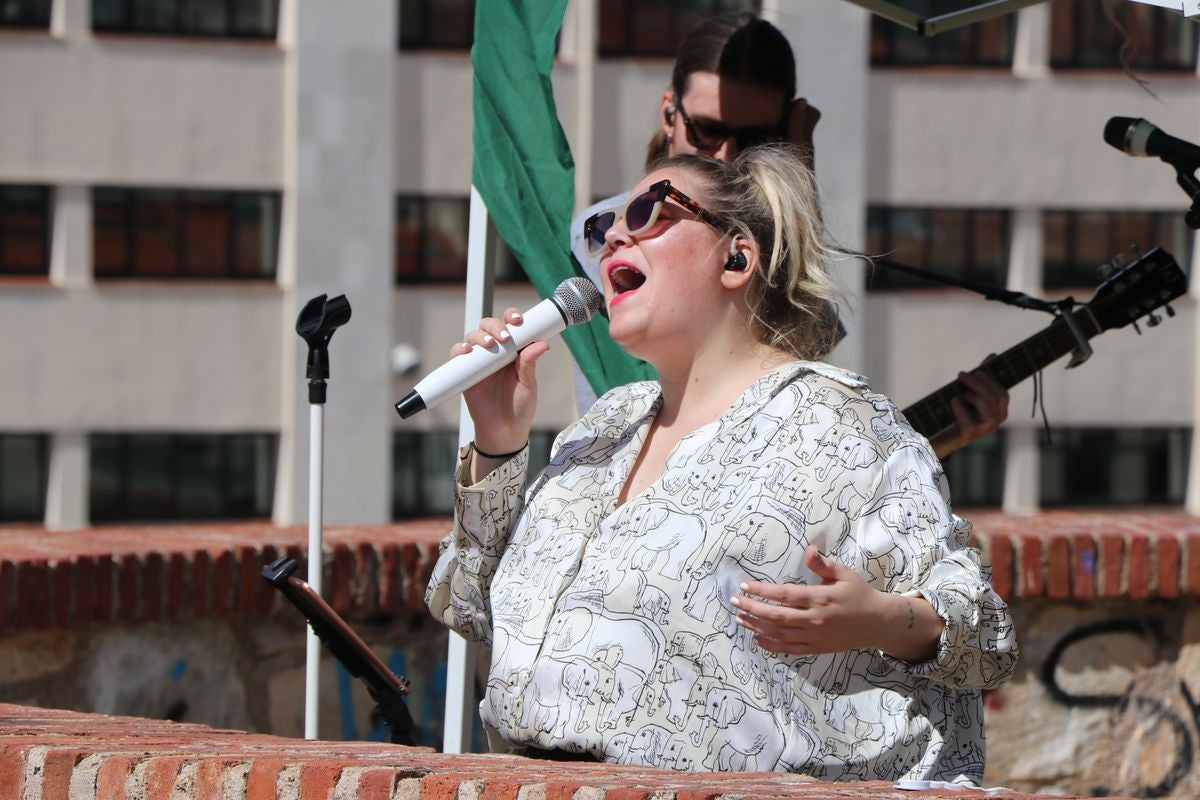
(969, 244)
(656, 28)
(437, 24)
(24, 472)
(1077, 243)
(242, 19)
(25, 226)
(423, 470)
(172, 476)
(1102, 34)
(167, 233)
(1115, 467)
(25, 14)
(431, 242)
(976, 473)
(982, 44)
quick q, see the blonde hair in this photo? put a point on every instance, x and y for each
(768, 194)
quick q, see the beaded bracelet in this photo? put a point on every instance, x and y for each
(475, 447)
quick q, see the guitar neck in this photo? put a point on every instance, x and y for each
(932, 414)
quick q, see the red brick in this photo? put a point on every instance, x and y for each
(248, 568)
(444, 786)
(414, 590)
(153, 575)
(1033, 579)
(1112, 556)
(627, 793)
(33, 594)
(339, 591)
(176, 588)
(377, 784)
(391, 583)
(1166, 566)
(1192, 559)
(8, 594)
(12, 772)
(1084, 579)
(223, 584)
(209, 779)
(554, 790)
(106, 569)
(264, 591)
(702, 794)
(1137, 565)
(263, 778)
(1058, 584)
(160, 775)
(201, 577)
(128, 581)
(57, 771)
(318, 778)
(62, 582)
(366, 577)
(112, 775)
(507, 789)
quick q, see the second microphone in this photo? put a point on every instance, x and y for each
(574, 301)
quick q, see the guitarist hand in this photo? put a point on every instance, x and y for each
(978, 411)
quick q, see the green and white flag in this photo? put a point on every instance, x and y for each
(523, 167)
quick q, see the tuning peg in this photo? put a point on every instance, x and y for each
(1136, 328)
(1170, 311)
(1112, 266)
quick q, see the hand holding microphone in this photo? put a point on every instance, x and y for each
(504, 405)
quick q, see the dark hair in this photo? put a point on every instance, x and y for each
(738, 46)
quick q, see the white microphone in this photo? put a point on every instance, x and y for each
(574, 301)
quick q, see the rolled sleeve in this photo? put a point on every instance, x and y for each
(484, 513)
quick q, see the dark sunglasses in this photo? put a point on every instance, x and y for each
(640, 214)
(708, 134)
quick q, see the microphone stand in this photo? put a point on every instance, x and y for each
(1063, 309)
(316, 325)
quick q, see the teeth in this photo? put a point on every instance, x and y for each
(625, 279)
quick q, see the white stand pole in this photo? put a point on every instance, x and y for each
(461, 654)
(312, 663)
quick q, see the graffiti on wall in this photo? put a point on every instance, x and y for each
(1163, 711)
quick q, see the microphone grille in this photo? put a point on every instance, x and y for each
(578, 299)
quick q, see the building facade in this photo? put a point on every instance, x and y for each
(178, 179)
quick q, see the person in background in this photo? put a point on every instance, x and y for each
(733, 85)
(749, 563)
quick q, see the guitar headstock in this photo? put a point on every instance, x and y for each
(1144, 286)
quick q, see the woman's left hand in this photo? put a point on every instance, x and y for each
(842, 613)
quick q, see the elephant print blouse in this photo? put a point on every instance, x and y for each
(611, 630)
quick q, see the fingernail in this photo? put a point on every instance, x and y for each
(503, 336)
(743, 587)
(517, 316)
(489, 341)
(734, 601)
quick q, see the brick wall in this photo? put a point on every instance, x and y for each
(62, 754)
(179, 624)
(180, 572)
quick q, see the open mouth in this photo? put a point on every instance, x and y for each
(625, 278)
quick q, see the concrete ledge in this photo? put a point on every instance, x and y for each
(60, 754)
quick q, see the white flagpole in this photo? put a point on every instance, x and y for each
(461, 654)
